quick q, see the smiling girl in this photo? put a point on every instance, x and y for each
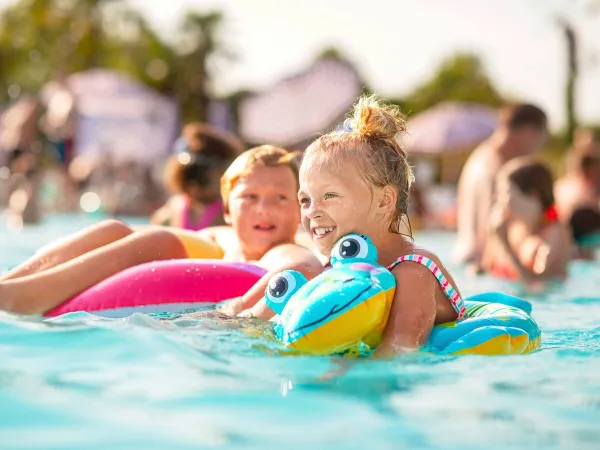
(359, 180)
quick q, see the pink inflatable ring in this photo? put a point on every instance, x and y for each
(164, 286)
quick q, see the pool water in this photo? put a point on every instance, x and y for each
(84, 382)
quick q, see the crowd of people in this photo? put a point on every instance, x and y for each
(514, 219)
(280, 210)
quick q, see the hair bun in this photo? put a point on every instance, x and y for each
(370, 119)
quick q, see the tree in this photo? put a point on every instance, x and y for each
(571, 35)
(461, 77)
(41, 40)
(203, 51)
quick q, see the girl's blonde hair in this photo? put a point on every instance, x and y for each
(371, 135)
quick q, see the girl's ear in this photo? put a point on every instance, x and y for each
(387, 198)
(227, 218)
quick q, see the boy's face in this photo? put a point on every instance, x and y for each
(264, 210)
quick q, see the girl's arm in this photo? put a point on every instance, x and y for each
(284, 257)
(413, 312)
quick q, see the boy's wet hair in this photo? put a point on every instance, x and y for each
(584, 222)
(531, 176)
(371, 136)
(262, 156)
(520, 115)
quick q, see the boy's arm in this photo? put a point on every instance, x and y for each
(284, 257)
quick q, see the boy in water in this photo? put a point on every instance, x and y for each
(259, 194)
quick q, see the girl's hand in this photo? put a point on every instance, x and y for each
(231, 307)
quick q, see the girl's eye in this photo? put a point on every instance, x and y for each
(281, 197)
(304, 201)
(330, 195)
(249, 196)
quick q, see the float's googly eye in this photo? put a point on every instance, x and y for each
(280, 286)
(353, 247)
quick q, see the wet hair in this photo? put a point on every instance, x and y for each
(202, 138)
(187, 169)
(585, 161)
(520, 115)
(371, 136)
(531, 176)
(262, 156)
(584, 222)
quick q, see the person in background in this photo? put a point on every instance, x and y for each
(193, 176)
(527, 241)
(585, 142)
(585, 228)
(196, 203)
(22, 190)
(580, 186)
(522, 130)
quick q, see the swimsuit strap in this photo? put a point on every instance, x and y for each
(452, 294)
(211, 211)
(185, 215)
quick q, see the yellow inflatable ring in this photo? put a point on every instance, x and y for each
(195, 246)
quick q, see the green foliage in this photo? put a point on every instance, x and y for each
(43, 40)
(461, 77)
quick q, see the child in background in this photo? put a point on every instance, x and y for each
(193, 174)
(196, 203)
(358, 180)
(258, 192)
(528, 241)
(585, 228)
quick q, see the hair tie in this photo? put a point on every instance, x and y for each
(344, 127)
(551, 214)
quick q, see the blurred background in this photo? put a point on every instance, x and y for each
(95, 94)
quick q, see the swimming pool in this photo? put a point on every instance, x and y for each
(83, 382)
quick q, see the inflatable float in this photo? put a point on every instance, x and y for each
(167, 286)
(345, 310)
(342, 311)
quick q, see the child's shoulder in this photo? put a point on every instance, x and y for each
(419, 256)
(222, 235)
(418, 261)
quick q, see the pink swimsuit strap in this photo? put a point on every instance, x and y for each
(211, 211)
(452, 294)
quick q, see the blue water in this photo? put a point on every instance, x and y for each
(83, 382)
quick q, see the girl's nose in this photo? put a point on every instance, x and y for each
(313, 211)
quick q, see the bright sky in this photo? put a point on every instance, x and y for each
(398, 43)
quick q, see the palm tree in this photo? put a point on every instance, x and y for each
(202, 51)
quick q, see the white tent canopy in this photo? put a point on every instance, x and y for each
(449, 127)
(301, 106)
(119, 117)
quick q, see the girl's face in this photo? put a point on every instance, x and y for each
(526, 207)
(335, 203)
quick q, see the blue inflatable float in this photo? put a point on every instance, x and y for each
(345, 310)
